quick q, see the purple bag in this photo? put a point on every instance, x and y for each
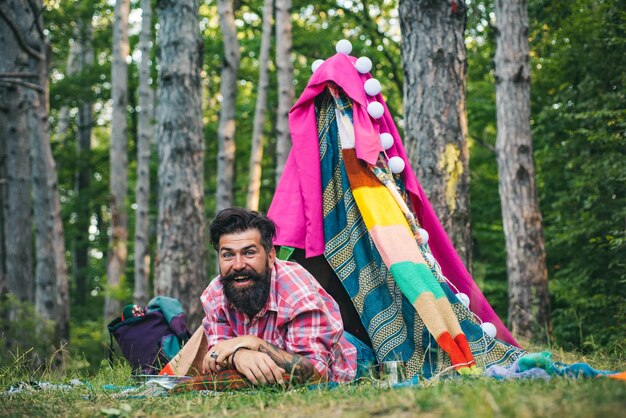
(149, 339)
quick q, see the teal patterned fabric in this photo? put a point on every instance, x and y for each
(395, 329)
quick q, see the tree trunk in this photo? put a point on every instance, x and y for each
(523, 228)
(144, 135)
(434, 63)
(17, 78)
(82, 179)
(118, 159)
(256, 155)
(63, 123)
(228, 90)
(51, 291)
(180, 266)
(286, 92)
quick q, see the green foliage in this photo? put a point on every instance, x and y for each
(578, 121)
(580, 142)
(29, 339)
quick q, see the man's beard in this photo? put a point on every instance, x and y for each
(252, 298)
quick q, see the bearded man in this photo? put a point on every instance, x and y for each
(270, 319)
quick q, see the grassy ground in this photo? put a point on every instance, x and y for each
(471, 397)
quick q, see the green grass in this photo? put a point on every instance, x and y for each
(470, 397)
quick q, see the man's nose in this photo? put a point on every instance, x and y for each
(239, 263)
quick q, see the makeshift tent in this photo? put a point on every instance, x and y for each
(348, 199)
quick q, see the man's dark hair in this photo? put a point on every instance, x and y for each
(233, 220)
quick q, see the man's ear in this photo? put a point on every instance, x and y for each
(271, 256)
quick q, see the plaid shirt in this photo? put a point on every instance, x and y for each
(299, 317)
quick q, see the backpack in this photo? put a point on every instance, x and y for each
(150, 337)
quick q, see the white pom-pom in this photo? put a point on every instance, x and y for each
(372, 87)
(423, 235)
(343, 47)
(375, 110)
(464, 299)
(396, 165)
(363, 65)
(386, 140)
(489, 329)
(316, 64)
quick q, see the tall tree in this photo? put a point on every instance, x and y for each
(63, 122)
(228, 89)
(144, 137)
(118, 158)
(82, 180)
(51, 287)
(523, 227)
(18, 80)
(286, 92)
(434, 62)
(256, 155)
(180, 265)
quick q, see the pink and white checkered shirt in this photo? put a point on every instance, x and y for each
(299, 317)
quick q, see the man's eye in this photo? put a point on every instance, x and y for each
(227, 255)
(250, 252)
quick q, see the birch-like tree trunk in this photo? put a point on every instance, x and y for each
(180, 265)
(64, 120)
(256, 154)
(286, 92)
(17, 81)
(118, 159)
(523, 227)
(434, 63)
(144, 137)
(228, 91)
(82, 180)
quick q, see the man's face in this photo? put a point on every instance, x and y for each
(245, 269)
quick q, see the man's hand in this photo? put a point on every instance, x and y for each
(258, 367)
(217, 357)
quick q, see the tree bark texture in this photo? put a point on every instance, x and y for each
(523, 228)
(256, 154)
(82, 181)
(286, 92)
(434, 63)
(118, 159)
(15, 107)
(180, 263)
(228, 91)
(51, 286)
(144, 136)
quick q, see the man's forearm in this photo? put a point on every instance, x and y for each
(298, 367)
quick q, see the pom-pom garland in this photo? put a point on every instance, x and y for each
(489, 329)
(396, 165)
(343, 47)
(372, 87)
(363, 65)
(316, 64)
(464, 299)
(386, 140)
(375, 110)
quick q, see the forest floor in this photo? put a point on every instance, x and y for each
(460, 397)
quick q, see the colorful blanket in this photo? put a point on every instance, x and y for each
(416, 317)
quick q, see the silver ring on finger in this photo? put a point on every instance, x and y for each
(214, 355)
